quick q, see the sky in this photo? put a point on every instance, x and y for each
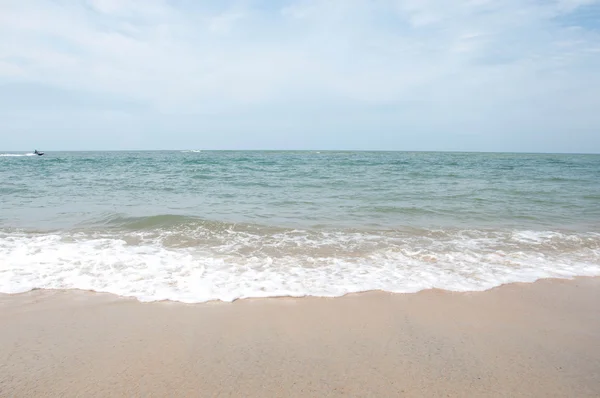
(462, 75)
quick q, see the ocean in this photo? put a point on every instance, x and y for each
(195, 226)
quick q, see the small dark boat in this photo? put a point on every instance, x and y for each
(38, 152)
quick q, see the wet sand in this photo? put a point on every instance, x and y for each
(521, 340)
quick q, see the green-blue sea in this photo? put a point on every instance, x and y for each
(195, 226)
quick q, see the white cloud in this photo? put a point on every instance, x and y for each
(448, 59)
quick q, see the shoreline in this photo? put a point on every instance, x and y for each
(518, 339)
(44, 291)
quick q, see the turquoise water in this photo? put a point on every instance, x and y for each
(201, 225)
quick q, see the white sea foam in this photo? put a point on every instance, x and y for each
(16, 155)
(232, 265)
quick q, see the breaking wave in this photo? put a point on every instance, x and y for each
(201, 261)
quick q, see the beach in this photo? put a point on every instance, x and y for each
(517, 340)
(299, 274)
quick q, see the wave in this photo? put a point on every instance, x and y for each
(186, 225)
(16, 155)
(202, 262)
(147, 222)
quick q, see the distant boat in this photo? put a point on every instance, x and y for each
(38, 153)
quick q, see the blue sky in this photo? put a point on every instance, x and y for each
(483, 75)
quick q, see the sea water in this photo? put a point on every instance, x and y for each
(194, 226)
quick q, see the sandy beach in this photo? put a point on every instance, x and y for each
(520, 340)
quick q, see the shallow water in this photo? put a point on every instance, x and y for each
(195, 225)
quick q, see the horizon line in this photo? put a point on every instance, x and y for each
(306, 150)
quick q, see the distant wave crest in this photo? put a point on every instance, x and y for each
(16, 155)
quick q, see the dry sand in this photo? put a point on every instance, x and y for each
(524, 340)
